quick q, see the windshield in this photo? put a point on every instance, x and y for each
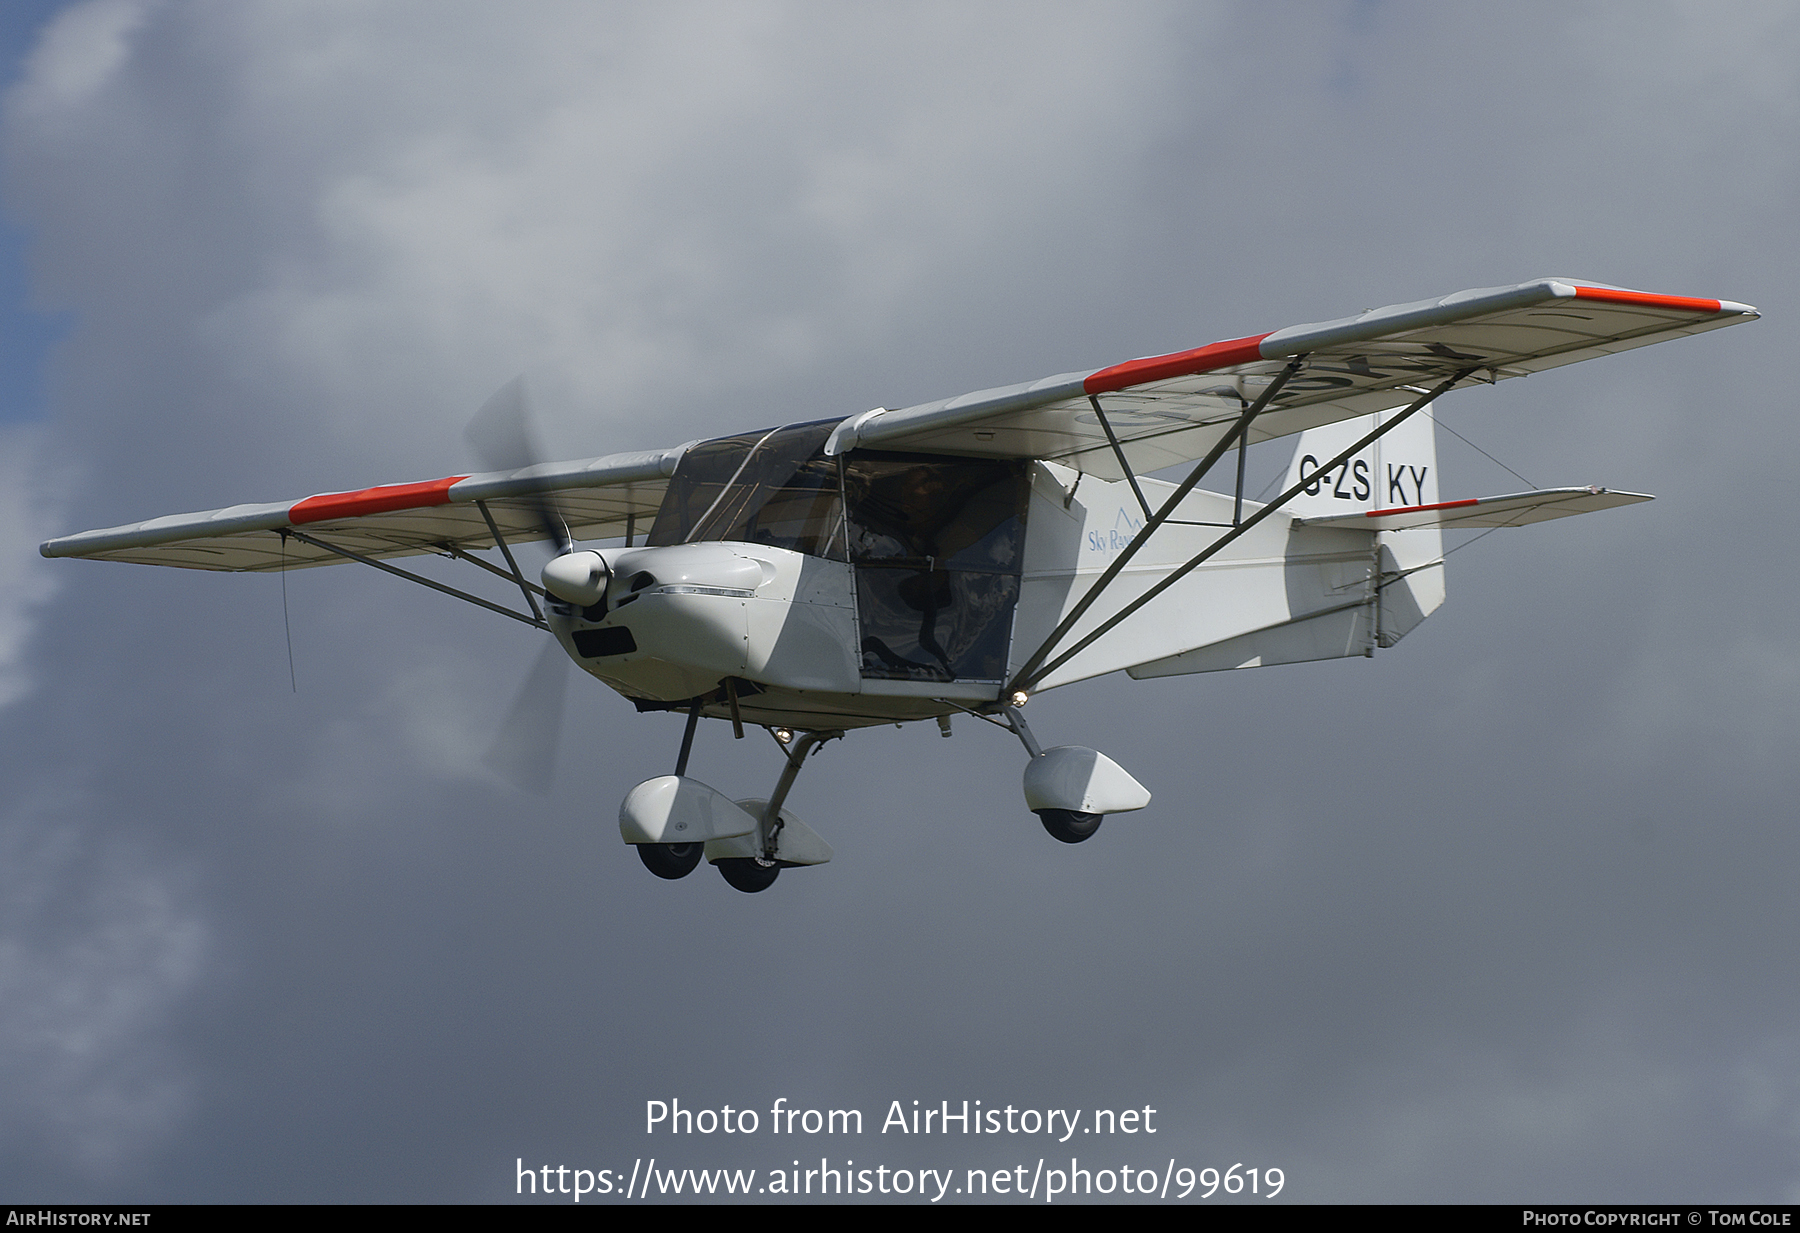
(771, 487)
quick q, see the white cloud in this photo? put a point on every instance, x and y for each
(30, 507)
(407, 204)
(99, 943)
(79, 54)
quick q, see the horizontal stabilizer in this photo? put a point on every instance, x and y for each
(1513, 510)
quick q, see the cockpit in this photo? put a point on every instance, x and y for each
(936, 541)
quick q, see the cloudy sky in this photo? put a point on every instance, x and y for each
(1504, 914)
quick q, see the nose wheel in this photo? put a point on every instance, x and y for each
(749, 874)
(671, 860)
(1069, 826)
(749, 840)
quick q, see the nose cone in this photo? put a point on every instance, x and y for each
(577, 577)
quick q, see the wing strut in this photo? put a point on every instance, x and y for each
(449, 549)
(506, 551)
(303, 537)
(1243, 454)
(1112, 439)
(1030, 674)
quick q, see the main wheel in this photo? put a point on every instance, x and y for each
(670, 860)
(1069, 826)
(748, 874)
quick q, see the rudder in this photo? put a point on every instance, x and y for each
(1397, 470)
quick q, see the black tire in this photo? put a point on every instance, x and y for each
(671, 860)
(748, 874)
(1069, 826)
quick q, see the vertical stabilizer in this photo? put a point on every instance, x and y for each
(1399, 470)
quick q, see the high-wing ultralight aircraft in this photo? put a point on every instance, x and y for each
(955, 557)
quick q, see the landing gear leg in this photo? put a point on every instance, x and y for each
(796, 756)
(687, 737)
(755, 873)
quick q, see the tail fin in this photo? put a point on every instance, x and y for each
(1397, 470)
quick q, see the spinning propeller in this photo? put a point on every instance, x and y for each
(524, 750)
(502, 436)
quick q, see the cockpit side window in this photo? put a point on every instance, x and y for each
(959, 513)
(938, 544)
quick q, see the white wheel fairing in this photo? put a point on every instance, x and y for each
(1079, 780)
(676, 809)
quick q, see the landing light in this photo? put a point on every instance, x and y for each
(1018, 697)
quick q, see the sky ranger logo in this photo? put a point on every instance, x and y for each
(1124, 527)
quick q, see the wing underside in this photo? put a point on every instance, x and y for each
(1171, 409)
(599, 499)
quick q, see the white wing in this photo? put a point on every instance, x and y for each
(1169, 409)
(1165, 409)
(599, 498)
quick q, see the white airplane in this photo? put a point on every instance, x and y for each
(955, 557)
